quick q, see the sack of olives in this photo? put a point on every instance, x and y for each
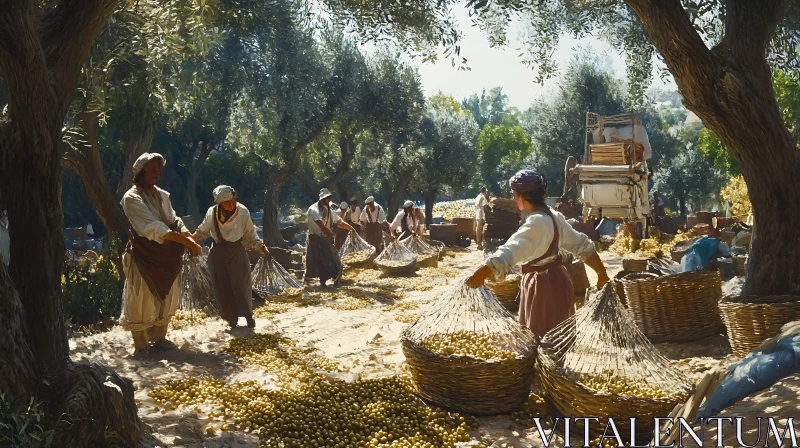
(196, 290)
(356, 251)
(271, 280)
(467, 352)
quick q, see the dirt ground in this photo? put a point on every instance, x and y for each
(367, 342)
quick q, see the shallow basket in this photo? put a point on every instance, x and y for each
(506, 292)
(439, 246)
(750, 320)
(362, 264)
(398, 271)
(738, 265)
(677, 307)
(567, 398)
(469, 385)
(634, 264)
(428, 261)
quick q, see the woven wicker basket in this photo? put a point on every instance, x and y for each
(678, 307)
(507, 292)
(580, 281)
(469, 385)
(634, 263)
(619, 288)
(751, 320)
(738, 265)
(398, 271)
(568, 398)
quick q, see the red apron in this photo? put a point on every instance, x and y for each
(547, 296)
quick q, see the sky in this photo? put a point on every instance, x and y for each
(492, 67)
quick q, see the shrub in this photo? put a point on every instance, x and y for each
(91, 292)
(21, 426)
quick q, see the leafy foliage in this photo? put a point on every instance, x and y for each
(91, 292)
(23, 426)
(688, 178)
(735, 192)
(502, 150)
(446, 164)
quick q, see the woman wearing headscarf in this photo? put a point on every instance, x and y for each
(322, 259)
(154, 256)
(547, 294)
(230, 226)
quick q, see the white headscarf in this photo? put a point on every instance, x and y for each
(408, 204)
(223, 193)
(144, 158)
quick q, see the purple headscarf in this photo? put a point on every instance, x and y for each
(526, 180)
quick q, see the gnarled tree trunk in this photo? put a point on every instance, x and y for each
(42, 48)
(271, 230)
(729, 87)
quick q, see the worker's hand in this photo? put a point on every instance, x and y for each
(264, 251)
(194, 248)
(479, 276)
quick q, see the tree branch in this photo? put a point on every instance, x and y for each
(689, 60)
(68, 31)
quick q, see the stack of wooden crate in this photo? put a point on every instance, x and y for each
(609, 153)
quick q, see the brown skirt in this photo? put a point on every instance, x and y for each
(229, 267)
(322, 260)
(373, 233)
(546, 299)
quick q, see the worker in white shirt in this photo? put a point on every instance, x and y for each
(420, 216)
(374, 221)
(322, 259)
(405, 224)
(341, 234)
(352, 214)
(480, 216)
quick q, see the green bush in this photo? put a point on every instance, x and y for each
(91, 292)
(21, 426)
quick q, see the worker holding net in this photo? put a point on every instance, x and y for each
(547, 295)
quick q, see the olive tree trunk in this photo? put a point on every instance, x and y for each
(729, 87)
(41, 53)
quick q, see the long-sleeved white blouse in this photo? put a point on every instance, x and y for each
(238, 227)
(533, 239)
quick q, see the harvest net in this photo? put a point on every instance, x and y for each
(395, 255)
(426, 253)
(196, 290)
(471, 322)
(603, 350)
(467, 353)
(271, 280)
(356, 251)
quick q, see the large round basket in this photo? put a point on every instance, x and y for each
(677, 307)
(619, 289)
(406, 270)
(506, 292)
(567, 398)
(738, 265)
(634, 263)
(750, 320)
(469, 385)
(362, 264)
(439, 246)
(580, 281)
(428, 261)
